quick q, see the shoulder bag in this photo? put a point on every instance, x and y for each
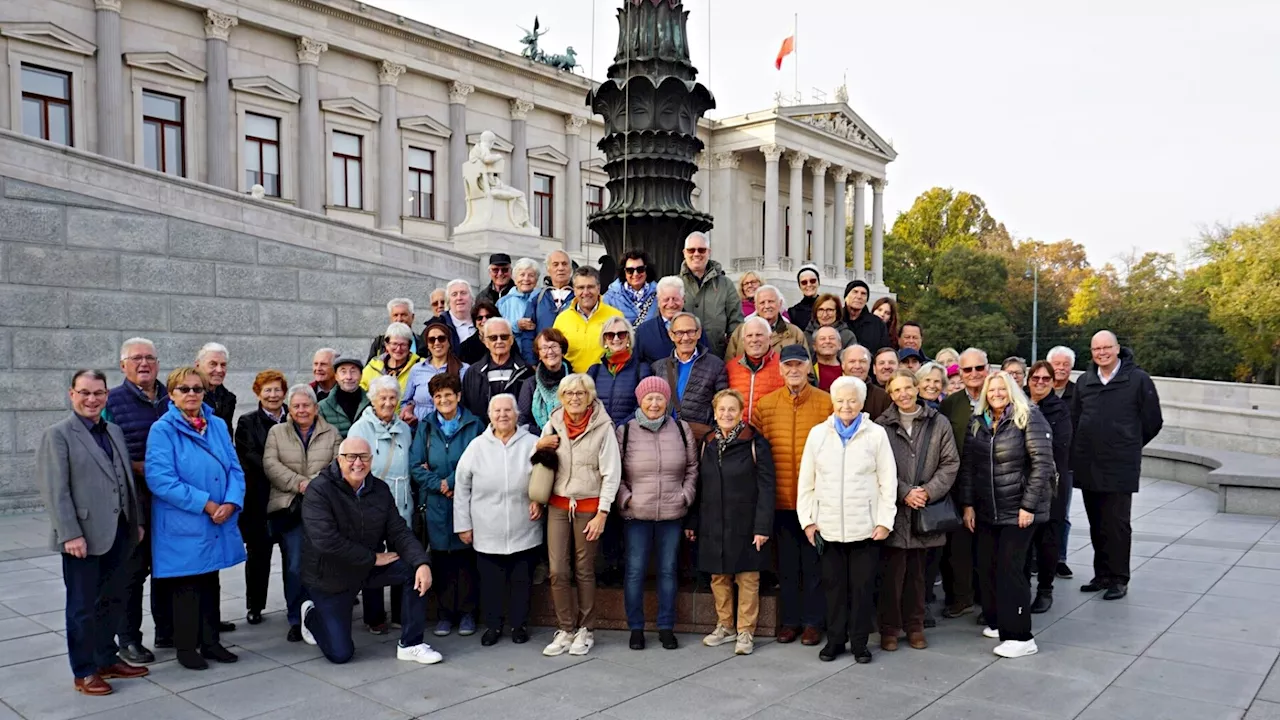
(939, 515)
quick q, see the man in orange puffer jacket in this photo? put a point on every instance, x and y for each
(755, 372)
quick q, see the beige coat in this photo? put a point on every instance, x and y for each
(590, 465)
(850, 489)
(287, 464)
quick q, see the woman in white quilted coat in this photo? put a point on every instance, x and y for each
(846, 503)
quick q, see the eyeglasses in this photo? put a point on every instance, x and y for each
(575, 393)
(96, 394)
(438, 340)
(504, 270)
(974, 369)
(185, 390)
(138, 359)
(685, 333)
(610, 336)
(636, 270)
(502, 337)
(1041, 379)
(354, 458)
(697, 251)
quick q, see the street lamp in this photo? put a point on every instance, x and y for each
(1033, 274)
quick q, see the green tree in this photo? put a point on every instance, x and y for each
(1243, 288)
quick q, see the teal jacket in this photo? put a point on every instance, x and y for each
(440, 455)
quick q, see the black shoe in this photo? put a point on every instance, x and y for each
(930, 620)
(862, 655)
(295, 633)
(219, 653)
(191, 660)
(668, 639)
(254, 617)
(226, 627)
(955, 611)
(165, 643)
(1042, 603)
(1116, 591)
(520, 635)
(135, 654)
(1095, 585)
(637, 640)
(831, 652)
(1064, 572)
(981, 619)
(490, 637)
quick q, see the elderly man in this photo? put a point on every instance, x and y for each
(1063, 360)
(653, 336)
(826, 357)
(957, 556)
(769, 302)
(911, 359)
(552, 300)
(1115, 413)
(785, 417)
(322, 378)
(867, 328)
(755, 372)
(134, 405)
(886, 362)
(500, 282)
(501, 371)
(583, 320)
(348, 517)
(439, 302)
(911, 336)
(459, 302)
(346, 402)
(709, 293)
(855, 361)
(212, 362)
(694, 374)
(96, 514)
(399, 310)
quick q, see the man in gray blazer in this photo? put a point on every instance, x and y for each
(96, 518)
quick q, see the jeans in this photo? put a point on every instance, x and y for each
(1005, 587)
(330, 621)
(454, 581)
(800, 600)
(95, 598)
(663, 537)
(506, 580)
(291, 559)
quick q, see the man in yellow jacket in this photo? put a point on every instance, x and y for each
(583, 320)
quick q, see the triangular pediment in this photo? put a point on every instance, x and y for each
(49, 35)
(350, 107)
(165, 63)
(425, 124)
(266, 87)
(500, 143)
(548, 154)
(594, 164)
(841, 121)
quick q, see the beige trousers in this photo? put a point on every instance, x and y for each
(748, 600)
(567, 542)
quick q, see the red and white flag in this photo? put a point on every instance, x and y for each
(788, 47)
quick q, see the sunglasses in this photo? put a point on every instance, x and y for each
(696, 251)
(438, 340)
(807, 283)
(504, 337)
(1041, 379)
(636, 270)
(482, 318)
(974, 369)
(185, 390)
(616, 336)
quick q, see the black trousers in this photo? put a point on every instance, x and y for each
(195, 609)
(800, 574)
(1111, 533)
(506, 582)
(932, 566)
(957, 568)
(139, 569)
(1047, 554)
(454, 580)
(258, 542)
(848, 578)
(1005, 587)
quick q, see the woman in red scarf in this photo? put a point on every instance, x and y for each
(619, 371)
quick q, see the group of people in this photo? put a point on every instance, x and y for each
(550, 424)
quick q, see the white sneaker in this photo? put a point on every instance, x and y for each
(719, 636)
(307, 606)
(745, 644)
(420, 653)
(1016, 648)
(559, 644)
(990, 632)
(583, 640)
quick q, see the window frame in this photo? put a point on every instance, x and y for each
(346, 170)
(164, 124)
(413, 178)
(549, 197)
(261, 141)
(46, 100)
(589, 207)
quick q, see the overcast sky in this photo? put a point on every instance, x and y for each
(1119, 125)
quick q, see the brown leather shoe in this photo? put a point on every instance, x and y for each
(92, 685)
(787, 634)
(889, 641)
(811, 636)
(121, 670)
(916, 640)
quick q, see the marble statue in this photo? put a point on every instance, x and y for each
(491, 203)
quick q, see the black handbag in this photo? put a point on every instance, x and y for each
(939, 515)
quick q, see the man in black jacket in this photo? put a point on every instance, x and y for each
(1115, 413)
(867, 328)
(958, 555)
(501, 371)
(348, 516)
(1063, 360)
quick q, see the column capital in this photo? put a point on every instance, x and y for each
(859, 180)
(819, 168)
(573, 124)
(112, 5)
(797, 160)
(458, 92)
(772, 152)
(878, 185)
(520, 109)
(309, 50)
(218, 26)
(726, 160)
(389, 72)
(841, 173)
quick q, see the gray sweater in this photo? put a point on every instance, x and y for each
(491, 494)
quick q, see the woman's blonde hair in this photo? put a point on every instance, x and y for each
(577, 380)
(178, 374)
(743, 281)
(946, 356)
(1017, 400)
(730, 393)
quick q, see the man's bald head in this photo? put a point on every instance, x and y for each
(1105, 349)
(354, 458)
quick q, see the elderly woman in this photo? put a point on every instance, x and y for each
(297, 450)
(659, 479)
(1017, 368)
(924, 450)
(732, 519)
(826, 313)
(1006, 487)
(619, 371)
(540, 394)
(947, 356)
(1057, 413)
(437, 446)
(694, 374)
(390, 437)
(516, 304)
(493, 514)
(887, 310)
(251, 440)
(472, 350)
(197, 488)
(931, 381)
(846, 501)
(439, 359)
(579, 444)
(747, 286)
(396, 362)
(635, 292)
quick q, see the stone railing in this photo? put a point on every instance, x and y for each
(743, 264)
(784, 264)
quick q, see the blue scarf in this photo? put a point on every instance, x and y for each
(846, 431)
(450, 427)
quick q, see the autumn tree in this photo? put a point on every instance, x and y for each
(1243, 288)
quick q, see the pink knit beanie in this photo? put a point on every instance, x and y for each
(653, 384)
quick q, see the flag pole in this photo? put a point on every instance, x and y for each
(795, 44)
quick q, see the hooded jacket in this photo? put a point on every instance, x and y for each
(714, 299)
(1113, 422)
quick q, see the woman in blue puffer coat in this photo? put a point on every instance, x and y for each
(197, 489)
(515, 304)
(619, 371)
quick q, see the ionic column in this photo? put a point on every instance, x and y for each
(839, 256)
(219, 155)
(110, 76)
(390, 184)
(820, 214)
(573, 179)
(311, 160)
(772, 153)
(520, 145)
(859, 228)
(458, 92)
(877, 231)
(796, 217)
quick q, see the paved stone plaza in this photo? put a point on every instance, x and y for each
(1196, 638)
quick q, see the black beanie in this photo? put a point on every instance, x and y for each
(856, 283)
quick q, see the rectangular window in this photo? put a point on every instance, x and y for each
(543, 195)
(595, 204)
(46, 104)
(422, 183)
(346, 176)
(262, 152)
(163, 134)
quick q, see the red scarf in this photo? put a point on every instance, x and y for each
(198, 422)
(615, 361)
(577, 428)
